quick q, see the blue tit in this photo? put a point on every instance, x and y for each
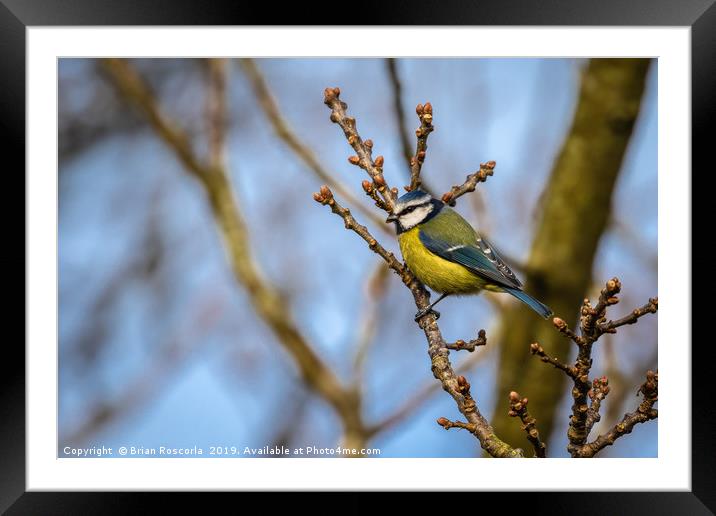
(448, 255)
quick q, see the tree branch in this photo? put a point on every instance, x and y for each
(538, 350)
(457, 386)
(644, 412)
(413, 160)
(650, 308)
(578, 431)
(570, 221)
(590, 317)
(565, 330)
(364, 150)
(471, 182)
(592, 327)
(599, 391)
(478, 426)
(620, 380)
(325, 197)
(447, 425)
(518, 408)
(267, 301)
(425, 114)
(470, 346)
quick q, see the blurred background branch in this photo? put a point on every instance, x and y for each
(391, 65)
(376, 289)
(268, 303)
(217, 112)
(284, 131)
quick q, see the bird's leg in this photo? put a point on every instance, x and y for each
(429, 308)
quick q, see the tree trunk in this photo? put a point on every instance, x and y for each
(576, 205)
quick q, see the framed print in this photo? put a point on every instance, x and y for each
(370, 252)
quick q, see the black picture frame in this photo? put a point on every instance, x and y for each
(17, 15)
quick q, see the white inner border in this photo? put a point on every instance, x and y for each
(670, 471)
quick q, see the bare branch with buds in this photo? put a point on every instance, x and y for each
(589, 394)
(518, 408)
(643, 413)
(471, 182)
(470, 345)
(425, 114)
(384, 196)
(364, 152)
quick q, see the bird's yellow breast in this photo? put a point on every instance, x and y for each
(437, 273)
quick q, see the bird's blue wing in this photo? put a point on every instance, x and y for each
(492, 254)
(480, 258)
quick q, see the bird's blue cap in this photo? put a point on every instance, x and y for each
(410, 196)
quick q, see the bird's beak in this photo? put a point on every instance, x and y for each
(391, 218)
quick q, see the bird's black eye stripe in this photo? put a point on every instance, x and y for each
(409, 209)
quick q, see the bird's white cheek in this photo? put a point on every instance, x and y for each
(415, 217)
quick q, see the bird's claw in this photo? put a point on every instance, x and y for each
(426, 311)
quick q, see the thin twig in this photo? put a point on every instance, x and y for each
(413, 161)
(619, 380)
(425, 114)
(364, 150)
(578, 431)
(490, 443)
(447, 424)
(565, 330)
(592, 317)
(538, 350)
(325, 197)
(302, 151)
(611, 327)
(470, 345)
(644, 412)
(471, 182)
(518, 408)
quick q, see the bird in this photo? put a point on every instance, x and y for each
(448, 255)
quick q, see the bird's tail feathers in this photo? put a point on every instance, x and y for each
(535, 305)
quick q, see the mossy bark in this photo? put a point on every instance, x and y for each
(575, 208)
